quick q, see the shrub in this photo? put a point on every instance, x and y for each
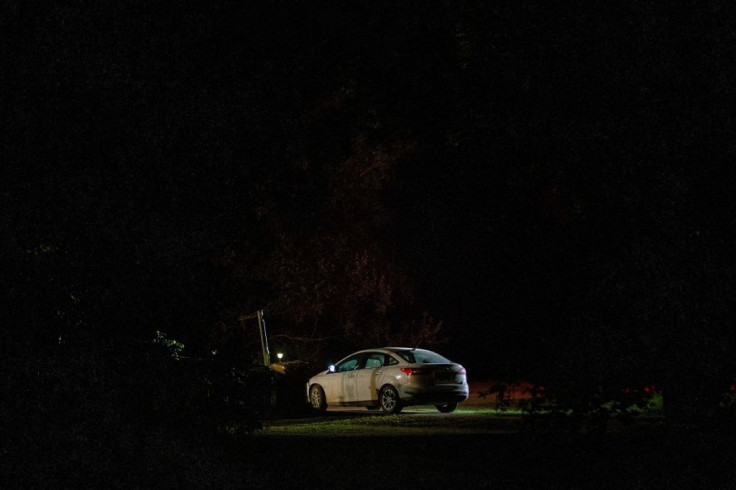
(127, 414)
(574, 407)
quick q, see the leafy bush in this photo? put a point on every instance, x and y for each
(174, 347)
(115, 415)
(574, 407)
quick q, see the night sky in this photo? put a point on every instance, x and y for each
(560, 187)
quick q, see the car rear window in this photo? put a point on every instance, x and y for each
(422, 357)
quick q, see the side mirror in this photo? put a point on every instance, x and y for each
(330, 368)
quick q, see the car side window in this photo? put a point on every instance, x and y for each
(348, 364)
(390, 361)
(374, 361)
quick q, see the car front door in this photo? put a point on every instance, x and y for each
(367, 379)
(341, 385)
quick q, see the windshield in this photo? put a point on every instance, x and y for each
(420, 356)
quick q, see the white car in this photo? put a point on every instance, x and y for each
(390, 378)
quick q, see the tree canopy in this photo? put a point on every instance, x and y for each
(549, 183)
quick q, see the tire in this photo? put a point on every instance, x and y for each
(317, 398)
(389, 400)
(447, 407)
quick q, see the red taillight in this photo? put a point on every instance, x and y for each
(413, 371)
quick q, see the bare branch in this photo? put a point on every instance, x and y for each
(304, 340)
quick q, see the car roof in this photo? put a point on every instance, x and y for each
(404, 349)
(390, 349)
(381, 349)
(377, 349)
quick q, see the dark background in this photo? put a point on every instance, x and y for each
(553, 184)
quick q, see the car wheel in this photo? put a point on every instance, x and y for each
(317, 398)
(389, 400)
(447, 407)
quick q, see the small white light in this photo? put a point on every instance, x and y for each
(280, 355)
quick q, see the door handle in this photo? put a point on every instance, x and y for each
(379, 371)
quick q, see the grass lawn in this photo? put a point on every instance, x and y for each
(475, 447)
(414, 421)
(361, 453)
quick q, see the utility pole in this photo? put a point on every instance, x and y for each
(262, 330)
(264, 339)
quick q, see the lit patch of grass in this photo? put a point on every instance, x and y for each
(470, 410)
(473, 422)
(489, 411)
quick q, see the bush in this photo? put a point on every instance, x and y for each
(101, 415)
(575, 407)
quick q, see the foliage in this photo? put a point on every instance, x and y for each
(85, 414)
(327, 274)
(172, 346)
(574, 407)
(527, 162)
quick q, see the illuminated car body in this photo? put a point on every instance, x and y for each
(390, 378)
